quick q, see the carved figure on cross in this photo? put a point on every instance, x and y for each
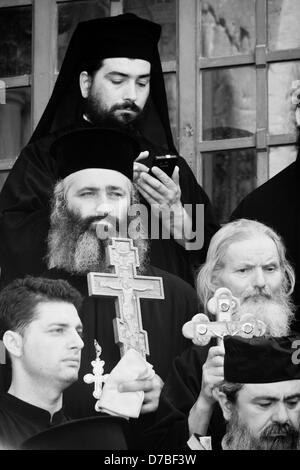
(128, 287)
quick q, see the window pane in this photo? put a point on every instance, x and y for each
(15, 41)
(283, 24)
(280, 78)
(229, 99)
(15, 122)
(170, 82)
(162, 12)
(228, 177)
(70, 14)
(227, 27)
(280, 158)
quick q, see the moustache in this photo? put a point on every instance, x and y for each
(279, 431)
(126, 106)
(256, 294)
(90, 224)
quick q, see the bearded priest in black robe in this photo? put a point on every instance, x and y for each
(97, 191)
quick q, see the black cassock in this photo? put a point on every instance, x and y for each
(25, 210)
(179, 394)
(19, 421)
(162, 319)
(277, 204)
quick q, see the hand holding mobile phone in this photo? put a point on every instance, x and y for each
(166, 163)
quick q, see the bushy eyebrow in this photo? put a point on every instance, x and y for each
(64, 325)
(274, 399)
(125, 75)
(95, 188)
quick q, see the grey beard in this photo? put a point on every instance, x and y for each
(276, 311)
(239, 437)
(76, 249)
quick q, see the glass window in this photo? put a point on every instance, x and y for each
(227, 27)
(70, 14)
(229, 100)
(283, 24)
(280, 78)
(170, 83)
(228, 177)
(280, 158)
(15, 120)
(15, 41)
(162, 12)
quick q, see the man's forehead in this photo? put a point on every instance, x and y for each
(257, 248)
(96, 177)
(56, 312)
(276, 390)
(126, 65)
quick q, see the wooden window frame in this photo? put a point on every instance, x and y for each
(262, 141)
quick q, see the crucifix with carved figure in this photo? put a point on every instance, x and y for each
(128, 287)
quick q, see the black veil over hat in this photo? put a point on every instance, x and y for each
(119, 36)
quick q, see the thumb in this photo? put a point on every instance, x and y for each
(142, 156)
(175, 176)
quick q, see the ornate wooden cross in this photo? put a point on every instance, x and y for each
(128, 288)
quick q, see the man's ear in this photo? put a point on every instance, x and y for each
(225, 404)
(13, 342)
(85, 83)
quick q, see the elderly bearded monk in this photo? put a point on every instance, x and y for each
(248, 258)
(93, 192)
(111, 75)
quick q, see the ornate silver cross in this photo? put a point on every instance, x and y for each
(225, 306)
(128, 288)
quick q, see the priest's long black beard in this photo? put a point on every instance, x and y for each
(76, 249)
(239, 437)
(275, 310)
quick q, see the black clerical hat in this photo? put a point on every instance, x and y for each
(118, 36)
(262, 359)
(94, 148)
(95, 433)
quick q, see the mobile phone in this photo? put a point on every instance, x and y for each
(166, 163)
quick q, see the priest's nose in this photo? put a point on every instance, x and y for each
(103, 207)
(280, 414)
(259, 278)
(130, 93)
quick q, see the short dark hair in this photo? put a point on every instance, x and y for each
(92, 66)
(19, 299)
(231, 390)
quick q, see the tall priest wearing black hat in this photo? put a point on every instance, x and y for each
(93, 194)
(111, 74)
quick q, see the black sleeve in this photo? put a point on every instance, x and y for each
(179, 394)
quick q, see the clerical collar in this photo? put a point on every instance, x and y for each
(15, 405)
